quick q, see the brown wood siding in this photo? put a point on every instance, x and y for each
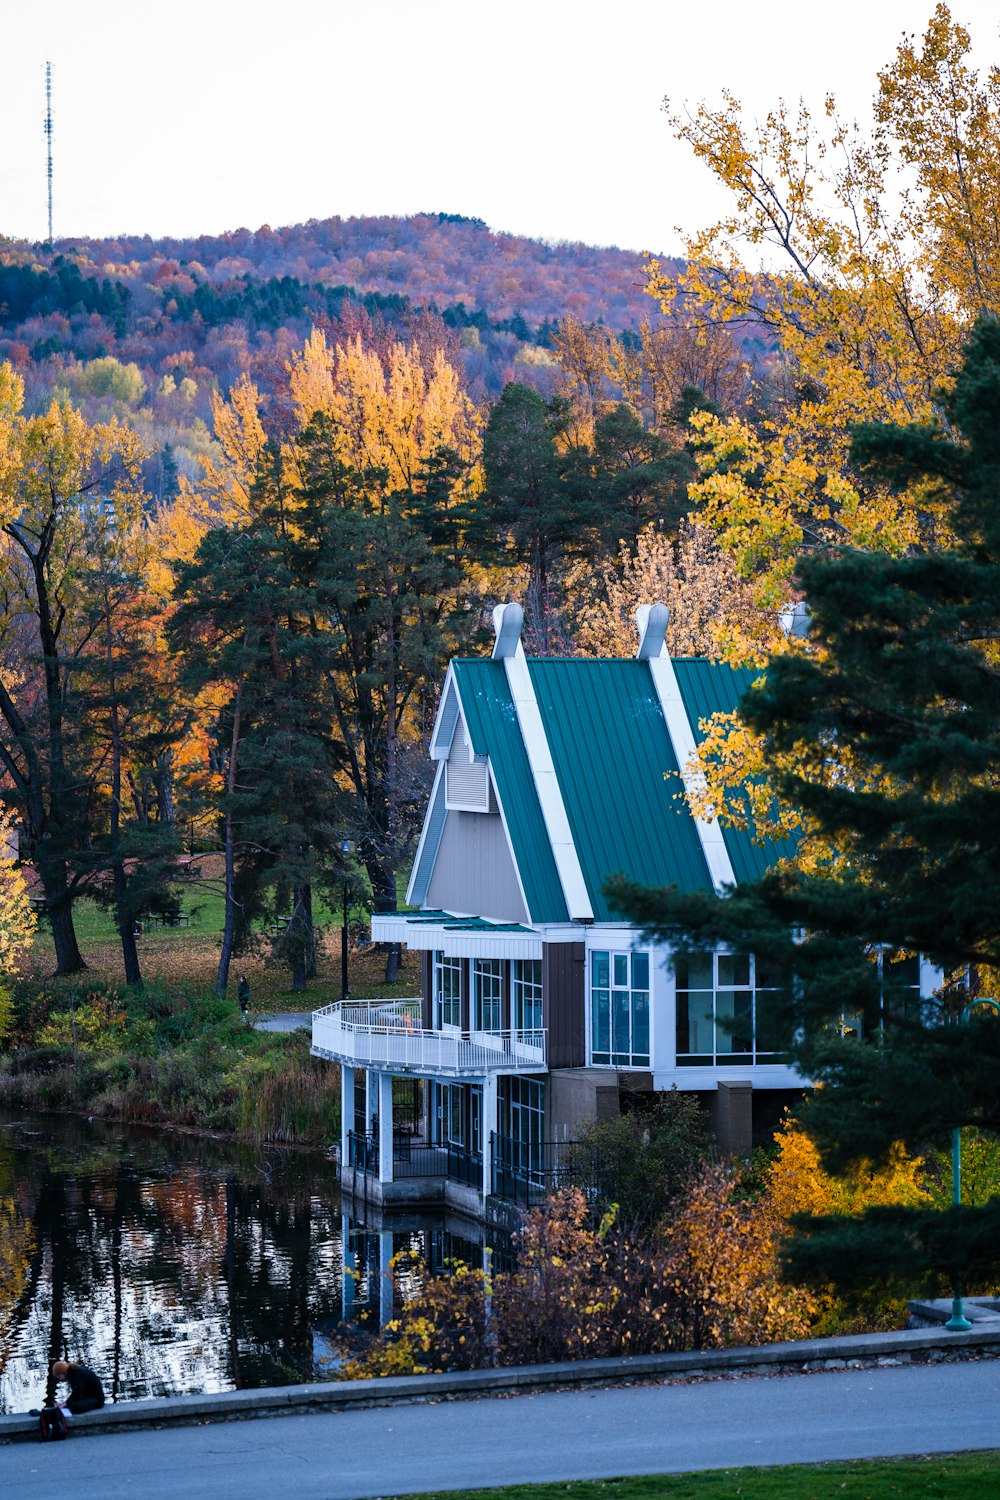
(563, 1008)
(427, 990)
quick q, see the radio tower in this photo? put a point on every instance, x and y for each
(48, 140)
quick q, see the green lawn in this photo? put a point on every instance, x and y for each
(959, 1476)
(189, 955)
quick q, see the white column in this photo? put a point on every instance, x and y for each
(489, 1125)
(371, 1099)
(384, 1277)
(384, 1126)
(346, 1112)
(348, 1261)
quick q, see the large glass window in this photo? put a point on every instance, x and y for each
(619, 1009)
(521, 1115)
(447, 991)
(726, 1004)
(487, 988)
(526, 994)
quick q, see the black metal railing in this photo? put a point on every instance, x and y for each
(362, 1151)
(525, 1172)
(411, 1158)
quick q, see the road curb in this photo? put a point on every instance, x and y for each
(922, 1344)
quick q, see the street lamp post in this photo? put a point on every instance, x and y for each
(345, 848)
(958, 1322)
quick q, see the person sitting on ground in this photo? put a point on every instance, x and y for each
(85, 1390)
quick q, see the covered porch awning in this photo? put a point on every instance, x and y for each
(457, 936)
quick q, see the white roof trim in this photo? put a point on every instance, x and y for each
(393, 927)
(668, 691)
(547, 787)
(449, 707)
(413, 893)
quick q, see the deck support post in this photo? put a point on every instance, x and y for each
(488, 1127)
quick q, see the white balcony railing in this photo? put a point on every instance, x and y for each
(387, 1034)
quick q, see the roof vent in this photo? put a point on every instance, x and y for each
(507, 622)
(652, 621)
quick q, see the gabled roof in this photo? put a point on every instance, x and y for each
(611, 731)
(618, 775)
(709, 687)
(492, 726)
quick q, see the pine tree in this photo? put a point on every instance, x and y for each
(887, 730)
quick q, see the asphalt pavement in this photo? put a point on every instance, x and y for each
(514, 1440)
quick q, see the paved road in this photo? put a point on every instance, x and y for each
(514, 1440)
(284, 1021)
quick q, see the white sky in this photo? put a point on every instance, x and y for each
(540, 116)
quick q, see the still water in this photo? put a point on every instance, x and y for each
(172, 1263)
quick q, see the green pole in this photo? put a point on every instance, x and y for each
(958, 1322)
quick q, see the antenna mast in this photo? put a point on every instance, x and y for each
(48, 139)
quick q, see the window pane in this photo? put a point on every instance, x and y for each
(694, 971)
(733, 1021)
(599, 974)
(601, 1024)
(768, 1037)
(621, 971)
(640, 971)
(620, 1048)
(768, 975)
(734, 969)
(640, 1026)
(694, 1021)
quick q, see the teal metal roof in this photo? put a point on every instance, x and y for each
(709, 687)
(493, 729)
(462, 924)
(618, 775)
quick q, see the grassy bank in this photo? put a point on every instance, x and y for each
(166, 1054)
(954, 1476)
(187, 955)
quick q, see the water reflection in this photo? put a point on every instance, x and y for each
(173, 1263)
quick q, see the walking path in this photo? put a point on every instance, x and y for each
(551, 1436)
(290, 1020)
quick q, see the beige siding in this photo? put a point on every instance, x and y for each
(474, 872)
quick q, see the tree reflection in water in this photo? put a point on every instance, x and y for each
(171, 1262)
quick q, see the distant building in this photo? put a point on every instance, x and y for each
(541, 1009)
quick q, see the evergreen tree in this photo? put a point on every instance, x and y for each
(886, 733)
(535, 494)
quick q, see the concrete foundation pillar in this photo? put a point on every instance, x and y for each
(731, 1113)
(384, 1126)
(346, 1113)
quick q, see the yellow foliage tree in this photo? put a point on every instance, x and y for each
(392, 409)
(713, 612)
(17, 915)
(872, 295)
(880, 254)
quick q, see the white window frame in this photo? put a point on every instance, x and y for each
(442, 965)
(634, 1057)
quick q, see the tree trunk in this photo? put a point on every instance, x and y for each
(383, 880)
(59, 908)
(163, 780)
(229, 928)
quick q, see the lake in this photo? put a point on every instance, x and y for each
(173, 1263)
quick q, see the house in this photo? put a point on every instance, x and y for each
(541, 1007)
